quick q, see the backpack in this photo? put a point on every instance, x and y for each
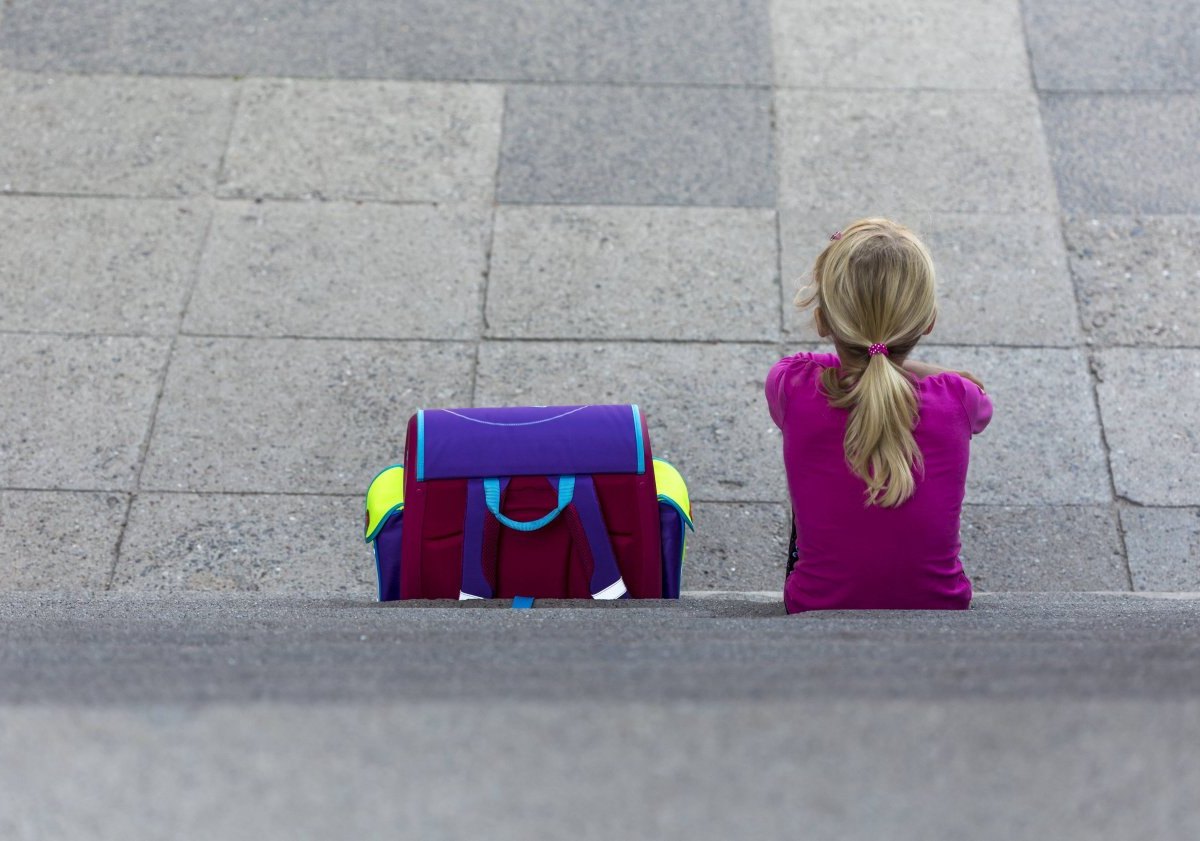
(528, 502)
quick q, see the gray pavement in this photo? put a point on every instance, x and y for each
(240, 243)
(244, 242)
(242, 716)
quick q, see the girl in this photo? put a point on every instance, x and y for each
(875, 444)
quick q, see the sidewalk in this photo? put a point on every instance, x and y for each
(241, 249)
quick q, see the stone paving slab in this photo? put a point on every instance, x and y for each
(644, 145)
(893, 153)
(150, 650)
(1077, 770)
(76, 409)
(1123, 154)
(342, 270)
(1150, 402)
(1043, 548)
(393, 141)
(1001, 278)
(104, 135)
(1043, 445)
(1137, 277)
(737, 546)
(704, 402)
(883, 44)
(58, 541)
(295, 415)
(259, 543)
(1164, 547)
(97, 265)
(1107, 45)
(633, 273)
(678, 41)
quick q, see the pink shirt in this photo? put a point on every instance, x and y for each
(857, 556)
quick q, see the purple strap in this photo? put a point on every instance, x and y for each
(606, 582)
(474, 582)
(606, 576)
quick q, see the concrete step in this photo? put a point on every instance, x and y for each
(118, 648)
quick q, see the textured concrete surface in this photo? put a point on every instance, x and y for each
(679, 41)
(882, 44)
(1073, 771)
(1137, 277)
(296, 269)
(59, 540)
(1164, 547)
(144, 649)
(1043, 445)
(645, 145)
(962, 152)
(1106, 45)
(363, 140)
(129, 136)
(77, 409)
(1150, 401)
(633, 273)
(1116, 153)
(97, 265)
(1044, 548)
(316, 417)
(251, 542)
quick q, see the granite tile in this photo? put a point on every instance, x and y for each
(395, 141)
(1150, 403)
(883, 44)
(737, 546)
(342, 269)
(900, 152)
(97, 265)
(1043, 445)
(1043, 548)
(1137, 277)
(269, 544)
(295, 415)
(703, 402)
(1125, 154)
(58, 541)
(134, 136)
(1164, 547)
(1001, 278)
(1102, 45)
(76, 409)
(670, 41)
(637, 145)
(666, 273)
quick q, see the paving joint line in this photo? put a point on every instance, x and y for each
(144, 449)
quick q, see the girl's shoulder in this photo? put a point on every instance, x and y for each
(789, 378)
(955, 389)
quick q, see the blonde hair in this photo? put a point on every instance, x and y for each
(875, 285)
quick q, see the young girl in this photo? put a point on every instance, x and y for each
(875, 444)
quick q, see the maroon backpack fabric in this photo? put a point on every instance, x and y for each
(542, 502)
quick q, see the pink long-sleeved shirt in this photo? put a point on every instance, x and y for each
(856, 556)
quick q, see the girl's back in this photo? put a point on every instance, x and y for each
(875, 445)
(858, 556)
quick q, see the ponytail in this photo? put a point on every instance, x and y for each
(879, 443)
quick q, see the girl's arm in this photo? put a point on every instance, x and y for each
(924, 369)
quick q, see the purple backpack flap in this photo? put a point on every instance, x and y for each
(539, 501)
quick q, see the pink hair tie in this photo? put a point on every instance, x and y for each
(836, 235)
(877, 348)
